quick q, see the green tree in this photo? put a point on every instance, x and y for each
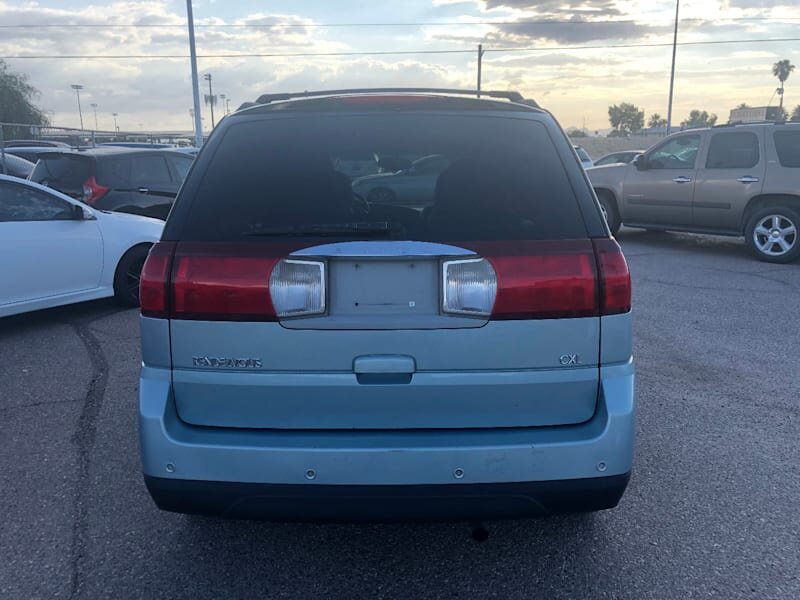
(796, 113)
(656, 120)
(16, 101)
(782, 69)
(699, 118)
(625, 118)
(743, 105)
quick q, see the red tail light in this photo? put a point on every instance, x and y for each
(93, 191)
(558, 279)
(615, 278)
(154, 281)
(222, 288)
(543, 280)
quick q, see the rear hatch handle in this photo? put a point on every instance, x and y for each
(386, 369)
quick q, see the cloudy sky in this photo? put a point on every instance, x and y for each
(574, 56)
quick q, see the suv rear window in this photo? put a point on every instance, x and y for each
(787, 143)
(497, 178)
(63, 171)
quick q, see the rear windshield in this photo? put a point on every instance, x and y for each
(62, 172)
(396, 176)
(787, 143)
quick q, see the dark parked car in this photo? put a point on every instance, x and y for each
(133, 180)
(32, 153)
(36, 144)
(16, 166)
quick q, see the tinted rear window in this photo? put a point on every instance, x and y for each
(787, 143)
(63, 172)
(495, 179)
(114, 172)
(733, 150)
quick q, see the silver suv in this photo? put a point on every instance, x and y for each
(309, 353)
(729, 180)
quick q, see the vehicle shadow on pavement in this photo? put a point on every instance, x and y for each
(712, 245)
(520, 557)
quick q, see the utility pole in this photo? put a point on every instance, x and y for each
(77, 87)
(211, 98)
(94, 106)
(480, 64)
(198, 126)
(672, 74)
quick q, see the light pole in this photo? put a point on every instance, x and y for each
(116, 127)
(94, 106)
(222, 97)
(480, 65)
(211, 98)
(672, 73)
(228, 106)
(77, 87)
(198, 125)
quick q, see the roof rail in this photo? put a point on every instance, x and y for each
(758, 122)
(511, 96)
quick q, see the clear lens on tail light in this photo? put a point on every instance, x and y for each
(469, 287)
(297, 288)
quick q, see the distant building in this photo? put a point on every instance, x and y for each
(761, 113)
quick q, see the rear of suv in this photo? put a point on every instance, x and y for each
(311, 354)
(143, 182)
(739, 180)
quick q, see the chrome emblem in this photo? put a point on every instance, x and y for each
(569, 359)
(226, 363)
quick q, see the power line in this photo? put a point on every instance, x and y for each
(388, 24)
(394, 52)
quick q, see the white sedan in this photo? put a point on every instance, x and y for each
(55, 250)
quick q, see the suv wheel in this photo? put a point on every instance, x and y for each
(609, 209)
(772, 234)
(129, 270)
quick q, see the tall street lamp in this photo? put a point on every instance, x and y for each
(198, 126)
(116, 127)
(672, 73)
(211, 97)
(77, 87)
(94, 106)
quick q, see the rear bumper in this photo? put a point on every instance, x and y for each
(452, 502)
(467, 473)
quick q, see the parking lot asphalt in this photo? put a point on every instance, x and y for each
(712, 510)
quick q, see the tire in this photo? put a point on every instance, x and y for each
(772, 234)
(381, 195)
(609, 208)
(126, 278)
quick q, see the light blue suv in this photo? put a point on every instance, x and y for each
(311, 355)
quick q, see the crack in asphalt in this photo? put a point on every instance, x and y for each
(84, 438)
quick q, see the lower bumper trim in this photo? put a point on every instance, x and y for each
(381, 503)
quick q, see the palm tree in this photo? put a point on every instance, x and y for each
(782, 69)
(656, 120)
